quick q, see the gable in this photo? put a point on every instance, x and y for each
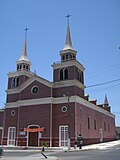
(25, 90)
(34, 90)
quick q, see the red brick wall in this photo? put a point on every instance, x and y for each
(10, 121)
(72, 73)
(22, 79)
(12, 97)
(35, 115)
(25, 94)
(72, 90)
(61, 118)
(100, 118)
(44, 91)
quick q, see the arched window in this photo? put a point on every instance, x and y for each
(61, 74)
(66, 56)
(24, 67)
(71, 57)
(80, 76)
(66, 73)
(15, 82)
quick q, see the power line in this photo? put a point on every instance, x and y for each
(103, 70)
(99, 84)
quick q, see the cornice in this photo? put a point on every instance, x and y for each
(59, 100)
(20, 73)
(68, 64)
(68, 83)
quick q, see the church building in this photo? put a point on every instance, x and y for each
(38, 111)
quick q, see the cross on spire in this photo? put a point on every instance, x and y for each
(68, 16)
(26, 29)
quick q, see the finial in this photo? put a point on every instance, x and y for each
(26, 29)
(68, 16)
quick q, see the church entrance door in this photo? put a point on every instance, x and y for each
(33, 137)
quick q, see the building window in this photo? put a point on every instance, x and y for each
(88, 122)
(35, 89)
(67, 57)
(80, 76)
(95, 124)
(104, 126)
(66, 73)
(61, 74)
(15, 82)
(13, 112)
(64, 109)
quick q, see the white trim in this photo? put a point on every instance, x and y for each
(64, 141)
(32, 90)
(59, 100)
(67, 64)
(12, 137)
(20, 73)
(66, 83)
(29, 102)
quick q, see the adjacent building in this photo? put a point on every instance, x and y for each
(38, 110)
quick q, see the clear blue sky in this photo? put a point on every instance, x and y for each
(95, 32)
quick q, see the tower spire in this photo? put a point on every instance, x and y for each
(106, 101)
(68, 42)
(23, 63)
(24, 50)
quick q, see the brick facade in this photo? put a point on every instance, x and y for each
(33, 102)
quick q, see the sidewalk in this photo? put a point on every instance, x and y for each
(32, 157)
(99, 146)
(38, 155)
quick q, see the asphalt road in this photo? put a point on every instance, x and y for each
(107, 154)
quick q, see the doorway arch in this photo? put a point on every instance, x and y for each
(33, 137)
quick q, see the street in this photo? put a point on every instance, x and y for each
(107, 154)
(113, 153)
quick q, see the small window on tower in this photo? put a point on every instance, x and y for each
(15, 82)
(24, 66)
(66, 57)
(61, 74)
(66, 73)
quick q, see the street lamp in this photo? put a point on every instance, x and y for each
(67, 94)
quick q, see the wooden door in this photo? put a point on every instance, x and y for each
(33, 139)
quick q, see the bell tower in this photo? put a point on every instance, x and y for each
(23, 64)
(22, 73)
(68, 53)
(69, 70)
